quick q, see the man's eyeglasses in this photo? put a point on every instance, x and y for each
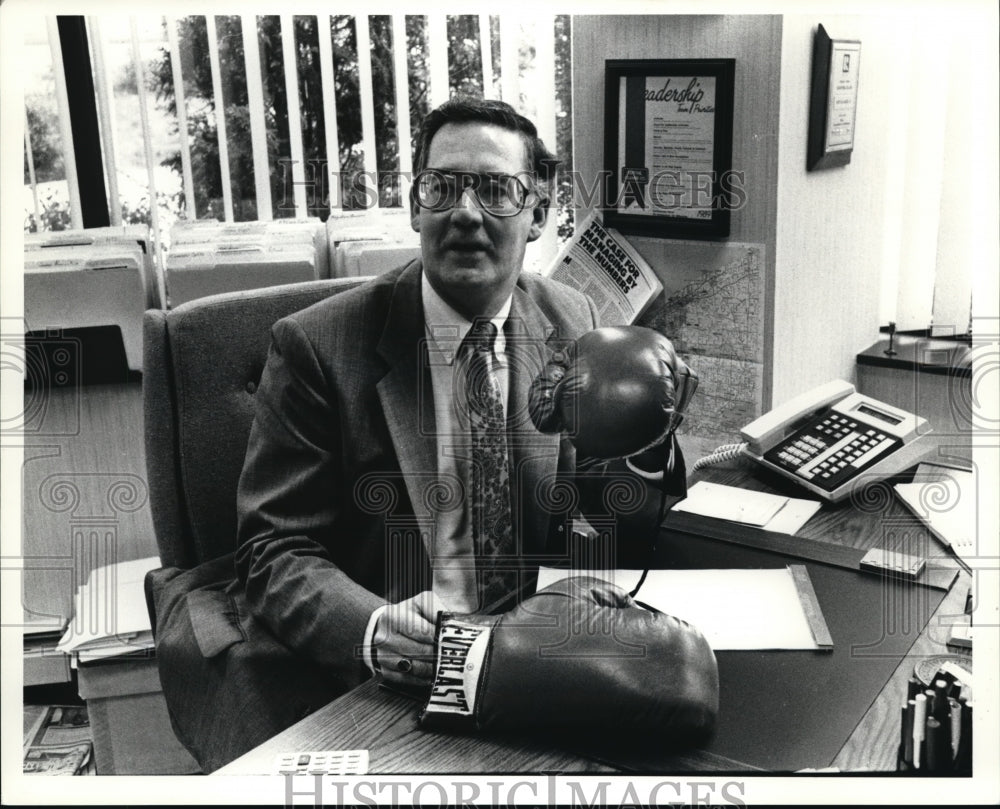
(497, 194)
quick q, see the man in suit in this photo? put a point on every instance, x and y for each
(356, 507)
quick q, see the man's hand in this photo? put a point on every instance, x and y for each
(403, 643)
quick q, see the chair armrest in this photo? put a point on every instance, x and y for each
(153, 584)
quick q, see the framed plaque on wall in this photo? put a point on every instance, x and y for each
(833, 101)
(668, 147)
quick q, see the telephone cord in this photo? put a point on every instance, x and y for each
(726, 452)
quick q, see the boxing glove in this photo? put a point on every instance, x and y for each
(616, 392)
(578, 655)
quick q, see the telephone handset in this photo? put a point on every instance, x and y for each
(825, 438)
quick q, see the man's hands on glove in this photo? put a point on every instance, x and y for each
(403, 643)
(578, 654)
(616, 391)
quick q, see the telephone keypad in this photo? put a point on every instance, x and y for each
(832, 449)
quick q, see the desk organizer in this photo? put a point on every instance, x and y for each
(936, 721)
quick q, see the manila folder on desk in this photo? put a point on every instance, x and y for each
(735, 609)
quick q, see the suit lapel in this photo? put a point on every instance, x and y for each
(405, 391)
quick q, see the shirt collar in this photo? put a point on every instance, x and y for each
(446, 328)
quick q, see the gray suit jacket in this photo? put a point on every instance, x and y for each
(340, 485)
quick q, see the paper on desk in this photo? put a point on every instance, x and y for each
(771, 512)
(109, 612)
(945, 499)
(624, 578)
(734, 609)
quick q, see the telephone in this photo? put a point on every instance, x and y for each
(825, 438)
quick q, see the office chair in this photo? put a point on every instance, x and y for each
(203, 361)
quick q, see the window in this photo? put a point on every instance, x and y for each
(257, 117)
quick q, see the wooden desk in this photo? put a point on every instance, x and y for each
(385, 723)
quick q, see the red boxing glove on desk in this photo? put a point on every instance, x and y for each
(577, 655)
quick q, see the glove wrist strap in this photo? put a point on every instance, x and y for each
(459, 667)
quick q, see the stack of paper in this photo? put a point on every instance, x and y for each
(208, 257)
(109, 613)
(945, 499)
(785, 515)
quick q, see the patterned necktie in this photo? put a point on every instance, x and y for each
(492, 530)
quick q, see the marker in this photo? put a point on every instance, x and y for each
(934, 705)
(919, 720)
(936, 758)
(941, 701)
(963, 760)
(937, 704)
(911, 710)
(913, 687)
(955, 718)
(931, 701)
(904, 731)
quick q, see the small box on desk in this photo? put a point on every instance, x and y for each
(129, 720)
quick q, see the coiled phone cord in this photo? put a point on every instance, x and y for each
(726, 452)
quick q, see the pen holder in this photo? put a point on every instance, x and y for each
(936, 728)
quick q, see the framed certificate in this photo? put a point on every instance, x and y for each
(668, 147)
(833, 101)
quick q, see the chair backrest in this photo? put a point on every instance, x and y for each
(202, 363)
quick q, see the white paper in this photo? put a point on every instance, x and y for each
(109, 611)
(731, 503)
(945, 499)
(771, 512)
(793, 515)
(141, 642)
(734, 609)
(625, 579)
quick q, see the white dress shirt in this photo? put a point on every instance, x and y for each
(452, 557)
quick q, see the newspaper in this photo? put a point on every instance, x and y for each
(599, 262)
(59, 742)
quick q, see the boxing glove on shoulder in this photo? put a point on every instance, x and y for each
(578, 655)
(616, 392)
